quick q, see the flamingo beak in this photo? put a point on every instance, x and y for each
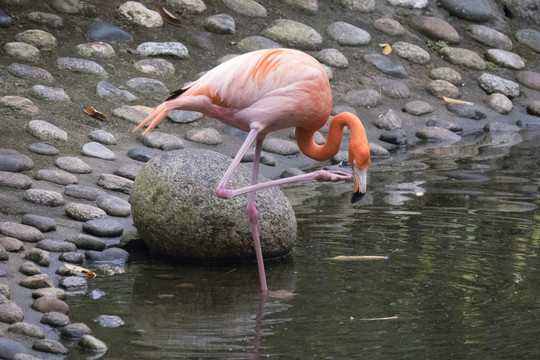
(359, 184)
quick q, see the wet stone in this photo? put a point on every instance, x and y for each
(447, 74)
(44, 197)
(10, 348)
(411, 52)
(83, 192)
(495, 127)
(40, 257)
(50, 346)
(25, 357)
(489, 37)
(478, 10)
(445, 124)
(42, 223)
(97, 150)
(30, 73)
(140, 15)
(348, 34)
(162, 141)
(90, 343)
(388, 121)
(14, 180)
(384, 64)
(139, 154)
(109, 321)
(74, 283)
(72, 257)
(377, 150)
(20, 231)
(29, 269)
(84, 212)
(440, 88)
(102, 137)
(206, 136)
(5, 20)
(266, 158)
(55, 319)
(44, 131)
(48, 19)
(434, 28)
(128, 170)
(104, 31)
(37, 281)
(293, 34)
(49, 292)
(73, 165)
(87, 242)
(56, 245)
(253, 43)
(505, 58)
(433, 133)
(396, 137)
(67, 6)
(11, 244)
(113, 205)
(220, 24)
(80, 66)
(115, 183)
(332, 57)
(389, 26)
(43, 149)
(395, 89)
(530, 38)
(366, 98)
(246, 7)
(10, 312)
(175, 49)
(184, 116)
(534, 108)
(110, 92)
(114, 255)
(19, 105)
(491, 84)
(500, 103)
(75, 330)
(27, 329)
(38, 38)
(418, 107)
(99, 50)
(280, 146)
(47, 304)
(530, 79)
(464, 57)
(22, 51)
(147, 86)
(155, 67)
(103, 227)
(474, 112)
(56, 176)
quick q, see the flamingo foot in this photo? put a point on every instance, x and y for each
(331, 175)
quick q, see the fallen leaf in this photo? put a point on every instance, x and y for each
(381, 318)
(456, 101)
(387, 49)
(88, 273)
(168, 17)
(359, 258)
(88, 110)
(280, 294)
(184, 285)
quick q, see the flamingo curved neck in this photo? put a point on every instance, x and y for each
(304, 137)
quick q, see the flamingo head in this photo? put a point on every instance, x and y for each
(359, 157)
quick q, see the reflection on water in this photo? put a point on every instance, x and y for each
(464, 283)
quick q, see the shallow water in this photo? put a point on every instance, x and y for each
(464, 282)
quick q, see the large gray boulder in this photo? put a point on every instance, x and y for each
(178, 214)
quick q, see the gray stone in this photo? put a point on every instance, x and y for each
(104, 31)
(29, 269)
(20, 231)
(435, 28)
(49, 93)
(13, 161)
(42, 223)
(464, 57)
(348, 34)
(11, 244)
(187, 6)
(56, 245)
(45, 131)
(99, 50)
(445, 124)
(139, 154)
(266, 158)
(72, 257)
(533, 108)
(206, 136)
(384, 64)
(38, 38)
(128, 170)
(56, 176)
(55, 319)
(43, 149)
(246, 7)
(115, 183)
(5, 20)
(73, 164)
(38, 256)
(184, 116)
(25, 357)
(396, 137)
(418, 107)
(30, 73)
(130, 113)
(37, 281)
(48, 19)
(14, 180)
(530, 38)
(83, 192)
(293, 34)
(220, 24)
(191, 201)
(21, 51)
(437, 134)
(10, 348)
(498, 127)
(280, 146)
(389, 26)
(47, 304)
(109, 321)
(447, 74)
(440, 88)
(253, 43)
(74, 284)
(5, 290)
(50, 292)
(102, 137)
(489, 37)
(50, 346)
(388, 121)
(68, 6)
(110, 92)
(162, 141)
(113, 205)
(87, 242)
(491, 84)
(90, 343)
(417, 4)
(114, 255)
(10, 312)
(103, 227)
(80, 66)
(500, 103)
(140, 15)
(84, 212)
(18, 104)
(27, 330)
(175, 49)
(505, 58)
(147, 86)
(366, 98)
(377, 151)
(395, 89)
(530, 79)
(44, 197)
(478, 10)
(155, 67)
(332, 57)
(97, 150)
(474, 112)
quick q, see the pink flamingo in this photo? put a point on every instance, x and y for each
(264, 91)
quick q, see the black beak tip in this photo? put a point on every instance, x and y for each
(357, 196)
